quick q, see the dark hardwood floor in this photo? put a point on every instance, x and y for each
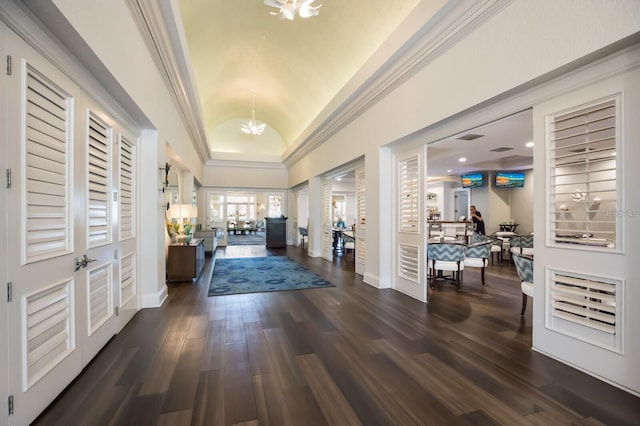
(342, 356)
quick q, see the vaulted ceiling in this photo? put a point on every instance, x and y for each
(236, 48)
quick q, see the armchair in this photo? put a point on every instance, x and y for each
(524, 267)
(477, 256)
(446, 257)
(522, 244)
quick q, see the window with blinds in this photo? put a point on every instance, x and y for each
(583, 175)
(409, 187)
(127, 199)
(98, 177)
(47, 169)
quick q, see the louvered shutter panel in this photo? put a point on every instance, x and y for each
(127, 278)
(409, 262)
(362, 216)
(100, 297)
(127, 196)
(327, 235)
(49, 332)
(46, 177)
(98, 184)
(409, 205)
(586, 307)
(583, 174)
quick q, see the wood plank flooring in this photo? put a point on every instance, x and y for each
(347, 355)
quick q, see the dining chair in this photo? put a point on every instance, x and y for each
(446, 257)
(496, 244)
(524, 268)
(521, 244)
(477, 256)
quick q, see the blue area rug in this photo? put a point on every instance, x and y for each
(261, 274)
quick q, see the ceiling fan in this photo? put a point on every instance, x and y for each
(288, 8)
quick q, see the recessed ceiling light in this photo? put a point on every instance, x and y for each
(529, 144)
(448, 171)
(462, 159)
(338, 178)
(614, 154)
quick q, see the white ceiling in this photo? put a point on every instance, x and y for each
(511, 132)
(295, 67)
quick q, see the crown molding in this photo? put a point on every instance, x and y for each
(156, 22)
(452, 24)
(246, 164)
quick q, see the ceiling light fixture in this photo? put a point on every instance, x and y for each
(252, 127)
(529, 144)
(288, 8)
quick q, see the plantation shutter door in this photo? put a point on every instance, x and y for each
(410, 275)
(98, 184)
(361, 222)
(327, 227)
(47, 185)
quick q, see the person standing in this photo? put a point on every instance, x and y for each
(476, 217)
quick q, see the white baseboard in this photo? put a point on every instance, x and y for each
(155, 300)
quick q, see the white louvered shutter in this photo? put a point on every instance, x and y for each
(327, 233)
(127, 278)
(100, 297)
(46, 177)
(49, 330)
(409, 203)
(361, 200)
(98, 181)
(409, 262)
(588, 308)
(127, 195)
(583, 175)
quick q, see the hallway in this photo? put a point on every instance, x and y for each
(345, 355)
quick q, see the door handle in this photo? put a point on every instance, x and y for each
(81, 262)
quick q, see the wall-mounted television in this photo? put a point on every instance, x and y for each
(509, 180)
(472, 180)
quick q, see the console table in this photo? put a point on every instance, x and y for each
(185, 261)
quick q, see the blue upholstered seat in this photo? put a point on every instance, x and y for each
(446, 257)
(524, 267)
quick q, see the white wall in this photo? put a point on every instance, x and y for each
(245, 175)
(521, 204)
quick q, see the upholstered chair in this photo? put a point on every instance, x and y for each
(524, 267)
(446, 257)
(477, 256)
(522, 244)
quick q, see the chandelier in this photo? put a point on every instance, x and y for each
(288, 8)
(252, 127)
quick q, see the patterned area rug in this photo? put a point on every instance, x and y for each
(261, 274)
(246, 240)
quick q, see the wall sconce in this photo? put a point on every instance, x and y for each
(167, 169)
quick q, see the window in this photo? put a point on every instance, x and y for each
(216, 208)
(583, 175)
(241, 207)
